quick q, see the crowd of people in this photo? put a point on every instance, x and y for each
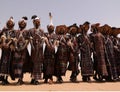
(95, 55)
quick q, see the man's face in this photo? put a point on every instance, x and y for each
(86, 27)
(50, 28)
(22, 24)
(10, 24)
(73, 30)
(36, 23)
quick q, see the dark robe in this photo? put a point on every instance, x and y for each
(21, 54)
(86, 63)
(99, 49)
(49, 58)
(117, 57)
(37, 52)
(61, 57)
(110, 58)
(6, 52)
(74, 55)
(94, 58)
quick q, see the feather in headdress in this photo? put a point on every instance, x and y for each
(25, 18)
(50, 15)
(34, 16)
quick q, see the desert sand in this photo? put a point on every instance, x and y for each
(66, 86)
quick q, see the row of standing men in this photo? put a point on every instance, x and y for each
(99, 54)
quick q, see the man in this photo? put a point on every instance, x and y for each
(98, 43)
(74, 52)
(49, 53)
(86, 63)
(7, 34)
(116, 44)
(20, 53)
(109, 53)
(37, 39)
(62, 53)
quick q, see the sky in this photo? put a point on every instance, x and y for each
(63, 11)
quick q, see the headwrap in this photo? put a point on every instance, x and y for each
(73, 29)
(10, 23)
(61, 29)
(22, 23)
(50, 27)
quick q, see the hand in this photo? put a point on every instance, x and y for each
(15, 39)
(57, 43)
(42, 38)
(69, 43)
(12, 47)
(5, 46)
(45, 38)
(3, 37)
(31, 38)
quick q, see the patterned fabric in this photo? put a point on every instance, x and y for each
(6, 52)
(91, 38)
(117, 58)
(49, 59)
(5, 61)
(37, 70)
(86, 62)
(73, 55)
(60, 68)
(61, 58)
(17, 68)
(100, 54)
(37, 52)
(111, 64)
(48, 67)
(20, 55)
(27, 66)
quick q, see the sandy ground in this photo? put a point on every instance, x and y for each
(66, 86)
